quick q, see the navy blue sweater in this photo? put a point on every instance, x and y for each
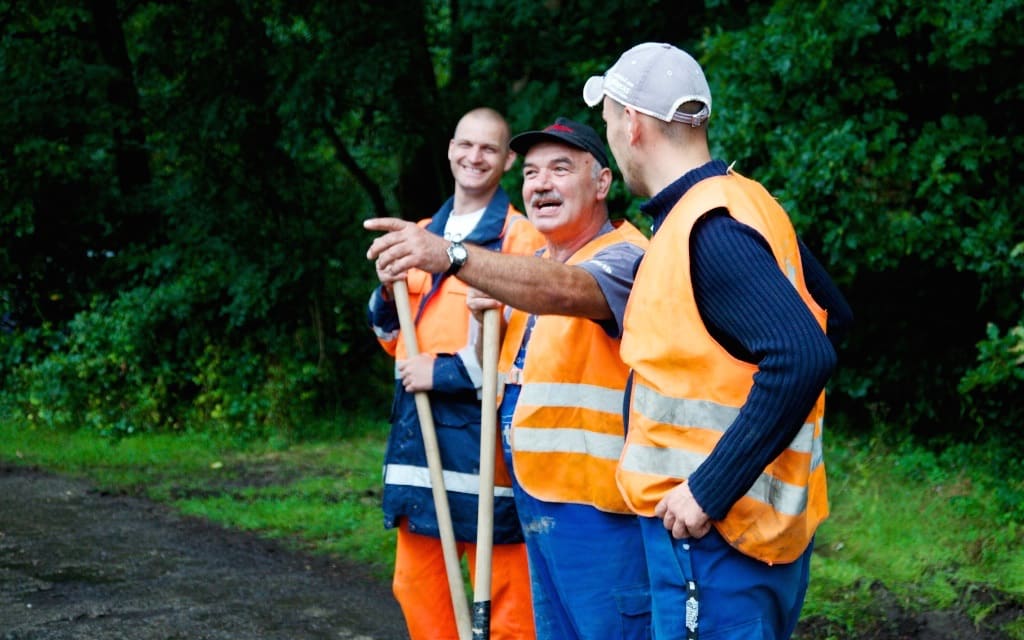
(753, 311)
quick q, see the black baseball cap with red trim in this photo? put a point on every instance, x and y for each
(570, 132)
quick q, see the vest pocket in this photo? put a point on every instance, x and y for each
(456, 414)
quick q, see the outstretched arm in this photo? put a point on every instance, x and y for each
(532, 284)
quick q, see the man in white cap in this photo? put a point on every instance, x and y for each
(725, 335)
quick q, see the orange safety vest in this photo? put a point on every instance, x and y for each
(449, 332)
(567, 426)
(442, 325)
(687, 389)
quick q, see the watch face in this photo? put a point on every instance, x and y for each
(457, 254)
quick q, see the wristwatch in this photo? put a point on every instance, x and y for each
(457, 254)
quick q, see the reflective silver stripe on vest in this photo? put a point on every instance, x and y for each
(704, 414)
(585, 396)
(556, 440)
(784, 497)
(682, 413)
(413, 476)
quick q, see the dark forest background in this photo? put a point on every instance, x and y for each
(182, 186)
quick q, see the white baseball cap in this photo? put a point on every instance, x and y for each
(654, 78)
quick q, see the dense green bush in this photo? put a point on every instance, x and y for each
(123, 367)
(182, 185)
(884, 129)
(993, 388)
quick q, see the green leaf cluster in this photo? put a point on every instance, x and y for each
(885, 130)
(182, 186)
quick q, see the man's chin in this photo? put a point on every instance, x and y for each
(544, 221)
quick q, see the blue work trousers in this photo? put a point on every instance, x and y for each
(588, 578)
(737, 597)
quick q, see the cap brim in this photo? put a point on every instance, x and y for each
(593, 91)
(522, 143)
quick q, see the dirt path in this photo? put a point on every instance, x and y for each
(77, 564)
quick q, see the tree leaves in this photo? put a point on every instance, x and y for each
(230, 149)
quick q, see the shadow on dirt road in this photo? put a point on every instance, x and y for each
(77, 564)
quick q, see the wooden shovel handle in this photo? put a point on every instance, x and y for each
(444, 516)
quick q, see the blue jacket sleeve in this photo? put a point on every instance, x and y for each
(450, 373)
(382, 314)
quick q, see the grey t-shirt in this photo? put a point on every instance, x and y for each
(613, 268)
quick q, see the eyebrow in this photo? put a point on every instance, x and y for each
(490, 145)
(558, 160)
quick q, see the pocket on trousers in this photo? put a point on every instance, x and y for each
(634, 606)
(460, 426)
(749, 630)
(456, 412)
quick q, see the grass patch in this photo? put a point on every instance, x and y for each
(326, 496)
(912, 528)
(322, 497)
(928, 528)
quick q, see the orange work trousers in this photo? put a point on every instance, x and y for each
(421, 587)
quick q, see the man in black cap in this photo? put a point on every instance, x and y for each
(561, 403)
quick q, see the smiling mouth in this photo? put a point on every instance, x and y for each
(542, 205)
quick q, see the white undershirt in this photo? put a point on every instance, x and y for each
(459, 226)
(456, 228)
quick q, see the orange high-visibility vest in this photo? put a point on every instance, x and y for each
(567, 426)
(449, 332)
(442, 326)
(687, 389)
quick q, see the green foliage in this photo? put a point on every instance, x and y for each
(860, 120)
(250, 395)
(120, 369)
(916, 527)
(95, 375)
(181, 186)
(60, 208)
(243, 307)
(992, 388)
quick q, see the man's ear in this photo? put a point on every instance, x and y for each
(510, 160)
(634, 124)
(604, 183)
